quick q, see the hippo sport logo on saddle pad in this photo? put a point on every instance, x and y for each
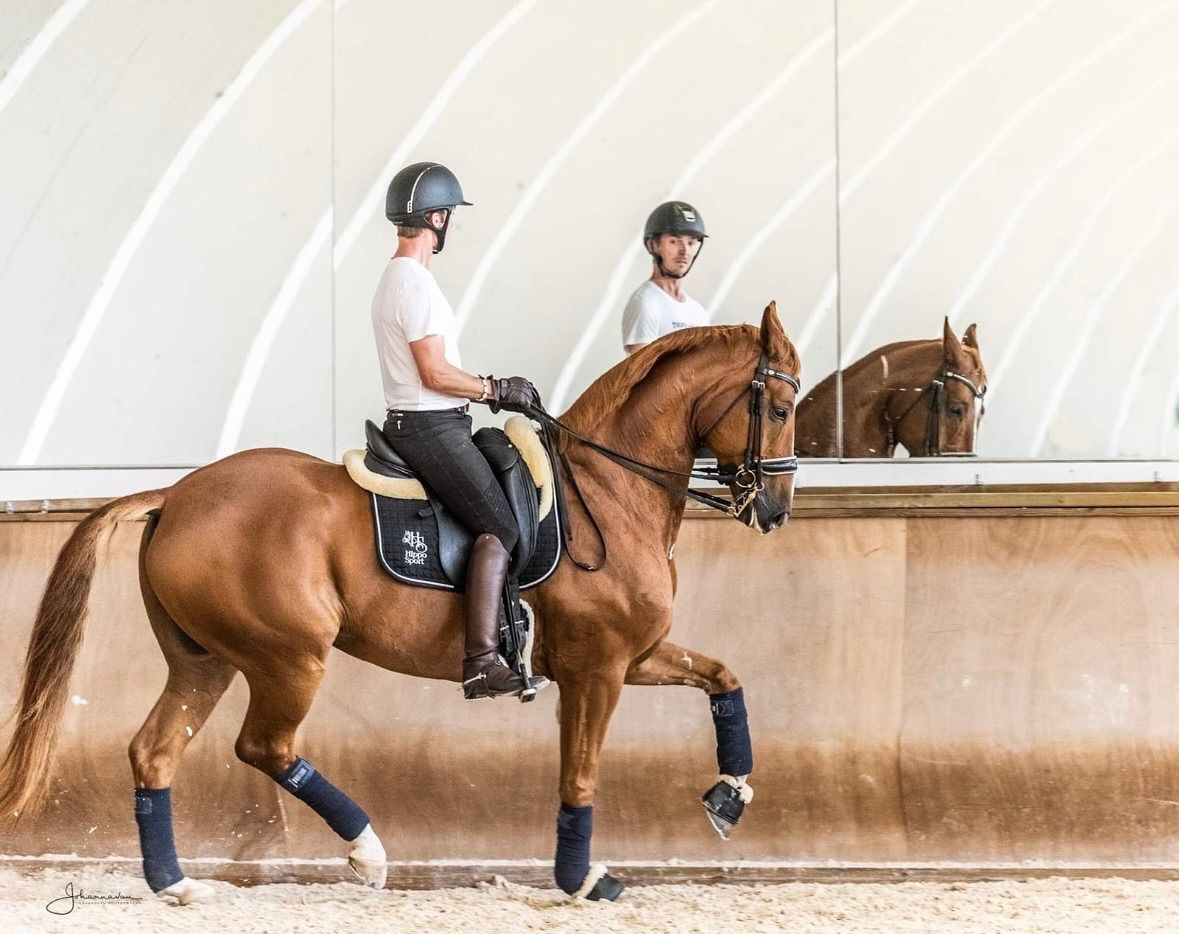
(408, 545)
(417, 550)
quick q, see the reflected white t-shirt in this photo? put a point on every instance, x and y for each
(651, 313)
(407, 306)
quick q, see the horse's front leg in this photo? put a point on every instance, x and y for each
(673, 664)
(588, 699)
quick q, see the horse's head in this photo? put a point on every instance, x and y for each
(752, 437)
(952, 403)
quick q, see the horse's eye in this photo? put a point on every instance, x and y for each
(958, 410)
(781, 413)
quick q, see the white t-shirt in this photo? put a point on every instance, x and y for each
(651, 313)
(407, 306)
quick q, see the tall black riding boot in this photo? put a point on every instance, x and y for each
(484, 671)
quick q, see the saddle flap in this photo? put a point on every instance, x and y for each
(454, 544)
(516, 481)
(420, 545)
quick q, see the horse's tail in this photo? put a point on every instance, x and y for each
(53, 650)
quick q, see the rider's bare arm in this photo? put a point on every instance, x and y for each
(439, 374)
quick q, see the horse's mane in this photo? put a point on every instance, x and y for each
(872, 360)
(872, 357)
(613, 388)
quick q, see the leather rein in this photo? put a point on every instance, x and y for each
(749, 477)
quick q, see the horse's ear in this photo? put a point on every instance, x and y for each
(951, 346)
(772, 333)
(970, 338)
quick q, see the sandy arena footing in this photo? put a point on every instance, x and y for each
(111, 897)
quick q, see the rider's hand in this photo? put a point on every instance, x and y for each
(514, 394)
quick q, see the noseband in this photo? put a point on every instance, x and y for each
(933, 425)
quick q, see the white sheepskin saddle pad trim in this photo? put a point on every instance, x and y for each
(520, 431)
(393, 487)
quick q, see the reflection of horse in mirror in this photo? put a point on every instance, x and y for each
(263, 562)
(927, 396)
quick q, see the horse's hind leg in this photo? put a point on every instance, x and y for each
(196, 681)
(279, 700)
(188, 698)
(673, 664)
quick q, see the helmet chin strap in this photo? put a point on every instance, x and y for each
(440, 232)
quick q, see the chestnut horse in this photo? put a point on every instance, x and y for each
(263, 562)
(926, 396)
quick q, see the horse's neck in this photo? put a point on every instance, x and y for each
(868, 396)
(881, 394)
(865, 431)
(865, 417)
(653, 426)
(815, 422)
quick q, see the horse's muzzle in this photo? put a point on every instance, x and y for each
(777, 520)
(764, 521)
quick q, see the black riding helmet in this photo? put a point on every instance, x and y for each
(673, 217)
(419, 189)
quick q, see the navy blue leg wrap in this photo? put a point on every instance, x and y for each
(343, 815)
(734, 751)
(575, 828)
(153, 814)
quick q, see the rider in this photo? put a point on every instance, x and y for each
(673, 235)
(426, 393)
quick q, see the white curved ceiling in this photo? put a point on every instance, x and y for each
(978, 144)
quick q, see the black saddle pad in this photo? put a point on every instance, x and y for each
(408, 543)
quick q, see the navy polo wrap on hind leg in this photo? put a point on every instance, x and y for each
(575, 828)
(153, 814)
(734, 751)
(343, 815)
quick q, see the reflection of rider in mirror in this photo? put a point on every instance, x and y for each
(427, 422)
(673, 235)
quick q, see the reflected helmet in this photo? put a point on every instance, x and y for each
(674, 217)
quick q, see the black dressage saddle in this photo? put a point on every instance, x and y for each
(421, 542)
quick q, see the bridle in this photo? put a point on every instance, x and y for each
(933, 425)
(748, 477)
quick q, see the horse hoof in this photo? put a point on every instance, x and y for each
(725, 803)
(187, 891)
(606, 889)
(367, 859)
(369, 873)
(598, 885)
(720, 825)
